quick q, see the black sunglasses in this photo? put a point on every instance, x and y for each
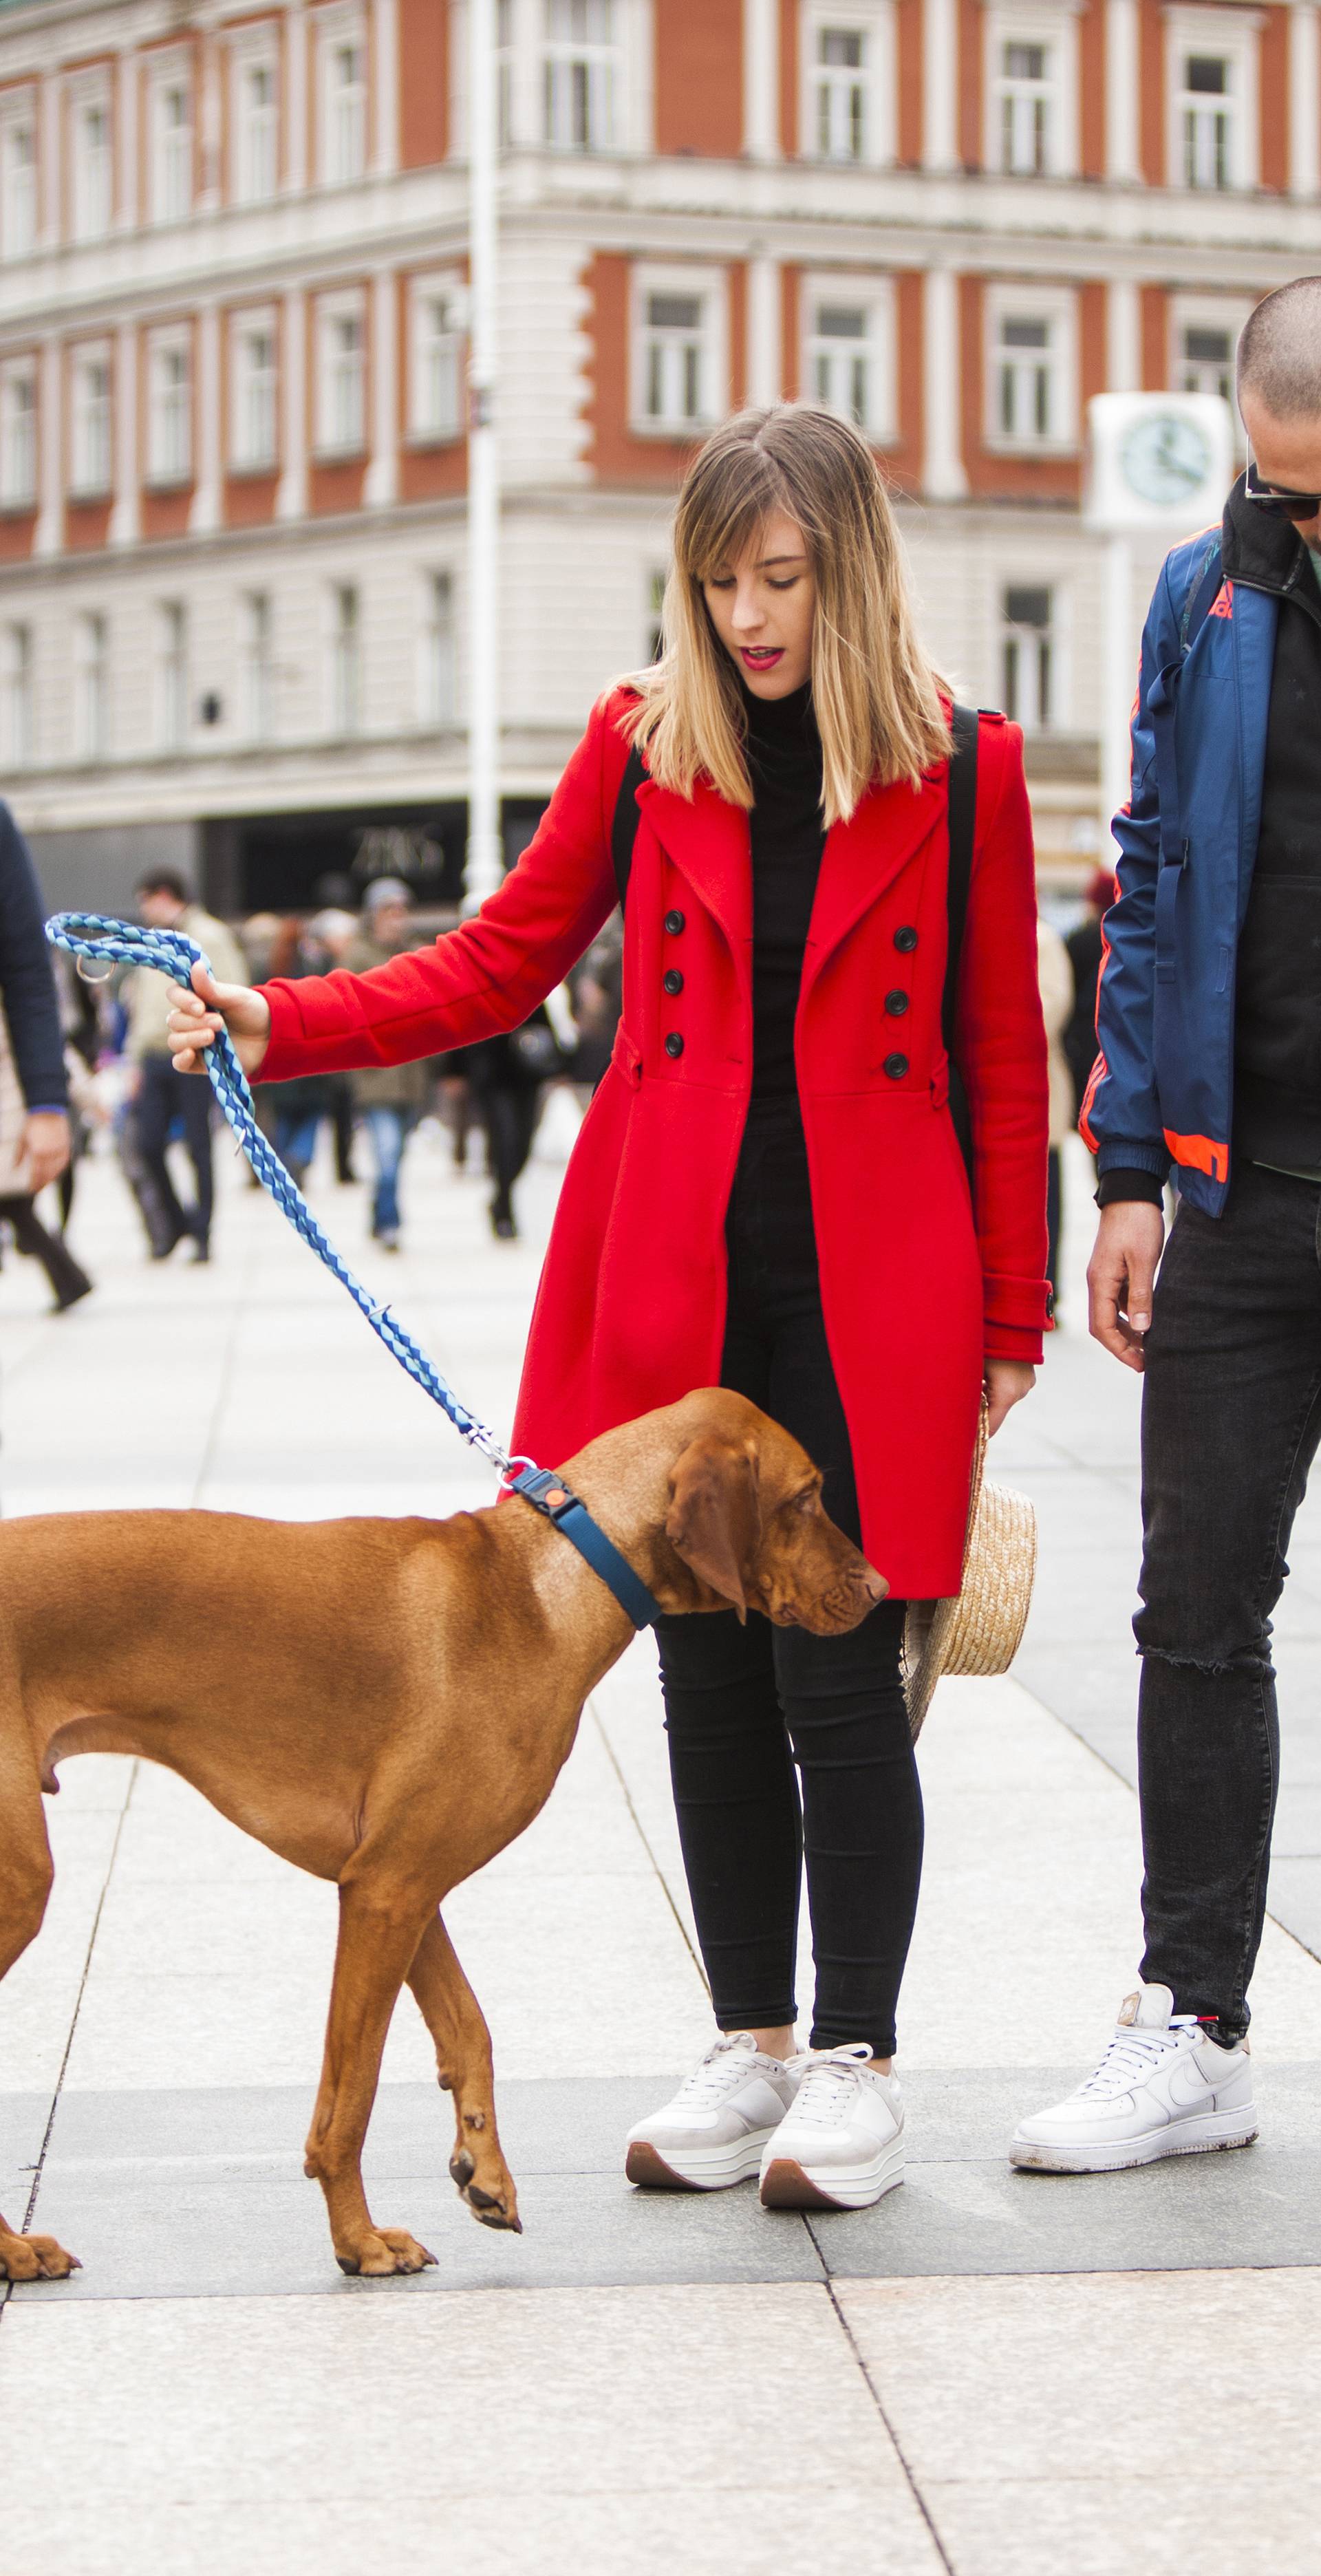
(1278, 497)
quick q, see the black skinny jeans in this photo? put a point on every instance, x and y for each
(744, 1705)
(163, 1096)
(1231, 1417)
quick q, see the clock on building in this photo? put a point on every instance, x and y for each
(1165, 458)
(1161, 462)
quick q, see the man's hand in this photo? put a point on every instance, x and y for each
(46, 1147)
(1129, 1241)
(197, 1018)
(1007, 1382)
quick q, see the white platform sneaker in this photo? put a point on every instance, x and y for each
(713, 2132)
(1162, 2089)
(842, 2144)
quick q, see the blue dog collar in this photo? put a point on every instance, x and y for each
(549, 1495)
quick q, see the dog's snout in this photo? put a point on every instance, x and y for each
(873, 1584)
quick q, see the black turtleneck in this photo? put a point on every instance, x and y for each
(784, 757)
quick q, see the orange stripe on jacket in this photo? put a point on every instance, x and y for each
(1100, 1068)
(1201, 1154)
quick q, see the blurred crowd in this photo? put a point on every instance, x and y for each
(111, 1078)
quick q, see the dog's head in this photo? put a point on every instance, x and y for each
(745, 1517)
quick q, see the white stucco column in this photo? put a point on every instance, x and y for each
(128, 80)
(761, 80)
(51, 172)
(381, 484)
(940, 85)
(291, 496)
(207, 445)
(944, 477)
(125, 517)
(210, 126)
(765, 334)
(1123, 160)
(1304, 100)
(385, 68)
(49, 535)
(295, 111)
(1123, 337)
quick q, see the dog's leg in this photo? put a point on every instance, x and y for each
(26, 1872)
(463, 2063)
(378, 1932)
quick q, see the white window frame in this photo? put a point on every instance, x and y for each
(250, 453)
(344, 662)
(170, 406)
(1231, 34)
(93, 175)
(91, 684)
(522, 75)
(875, 23)
(170, 674)
(334, 437)
(340, 31)
(18, 202)
(16, 694)
(170, 144)
(251, 52)
(563, 56)
(874, 297)
(1058, 307)
(1208, 313)
(435, 407)
(437, 650)
(1056, 634)
(712, 285)
(91, 444)
(1055, 29)
(257, 666)
(19, 434)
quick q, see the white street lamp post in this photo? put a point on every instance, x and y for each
(485, 856)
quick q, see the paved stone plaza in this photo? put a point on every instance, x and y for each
(989, 2372)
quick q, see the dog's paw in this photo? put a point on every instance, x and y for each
(496, 2206)
(35, 2258)
(386, 2250)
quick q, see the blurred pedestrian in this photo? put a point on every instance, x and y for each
(768, 1192)
(389, 1098)
(334, 932)
(162, 1099)
(509, 1075)
(1055, 977)
(300, 1105)
(34, 1121)
(1085, 944)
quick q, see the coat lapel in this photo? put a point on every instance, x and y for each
(707, 841)
(864, 855)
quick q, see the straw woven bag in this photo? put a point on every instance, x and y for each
(980, 1631)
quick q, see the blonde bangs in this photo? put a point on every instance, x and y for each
(875, 695)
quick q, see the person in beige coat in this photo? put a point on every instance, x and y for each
(1055, 976)
(160, 1094)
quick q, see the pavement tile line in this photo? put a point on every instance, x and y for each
(890, 2431)
(640, 1830)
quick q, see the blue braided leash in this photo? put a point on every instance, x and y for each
(100, 938)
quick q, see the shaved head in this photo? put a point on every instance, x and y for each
(1279, 354)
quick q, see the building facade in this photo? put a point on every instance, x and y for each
(232, 317)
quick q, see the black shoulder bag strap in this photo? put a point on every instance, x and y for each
(962, 833)
(624, 827)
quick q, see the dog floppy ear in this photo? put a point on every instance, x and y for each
(714, 1519)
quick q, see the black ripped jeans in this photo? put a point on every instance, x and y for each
(1231, 1417)
(745, 1705)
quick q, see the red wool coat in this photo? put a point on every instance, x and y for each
(631, 1308)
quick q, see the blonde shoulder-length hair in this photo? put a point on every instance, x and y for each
(875, 695)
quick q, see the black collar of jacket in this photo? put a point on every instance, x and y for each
(1265, 552)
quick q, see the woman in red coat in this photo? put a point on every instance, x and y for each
(768, 1193)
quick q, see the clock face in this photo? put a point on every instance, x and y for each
(1165, 458)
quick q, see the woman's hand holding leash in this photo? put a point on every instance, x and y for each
(198, 1017)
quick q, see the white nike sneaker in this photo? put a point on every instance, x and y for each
(1162, 2089)
(713, 2132)
(842, 2144)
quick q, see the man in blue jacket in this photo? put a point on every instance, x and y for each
(1209, 1025)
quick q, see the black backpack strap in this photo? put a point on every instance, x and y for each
(624, 827)
(962, 834)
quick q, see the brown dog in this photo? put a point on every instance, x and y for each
(388, 1704)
